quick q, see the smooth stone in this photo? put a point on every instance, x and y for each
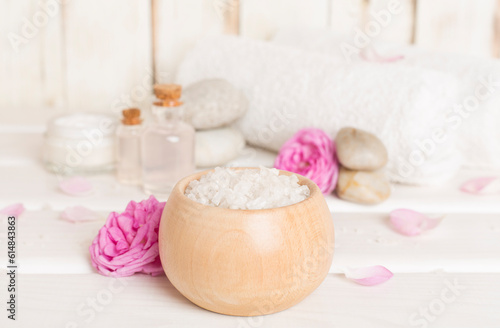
(365, 187)
(360, 150)
(218, 146)
(213, 103)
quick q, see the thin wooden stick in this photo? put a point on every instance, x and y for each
(153, 39)
(414, 22)
(232, 17)
(496, 31)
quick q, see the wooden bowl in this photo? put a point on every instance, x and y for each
(246, 262)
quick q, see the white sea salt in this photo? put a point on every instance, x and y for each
(248, 189)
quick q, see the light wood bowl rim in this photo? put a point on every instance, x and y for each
(181, 186)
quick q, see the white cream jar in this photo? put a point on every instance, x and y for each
(80, 143)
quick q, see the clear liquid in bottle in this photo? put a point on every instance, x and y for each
(167, 145)
(128, 148)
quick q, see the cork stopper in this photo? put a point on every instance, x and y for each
(169, 94)
(131, 116)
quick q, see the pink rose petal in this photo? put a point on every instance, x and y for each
(369, 276)
(369, 54)
(482, 186)
(79, 214)
(412, 223)
(13, 210)
(154, 268)
(76, 186)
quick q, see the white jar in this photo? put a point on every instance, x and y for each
(80, 143)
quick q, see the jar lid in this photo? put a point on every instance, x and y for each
(81, 125)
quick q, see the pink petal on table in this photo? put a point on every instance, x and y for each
(14, 209)
(482, 186)
(412, 223)
(369, 276)
(369, 54)
(76, 186)
(79, 214)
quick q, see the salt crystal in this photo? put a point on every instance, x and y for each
(247, 189)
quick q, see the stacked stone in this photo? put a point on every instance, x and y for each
(211, 106)
(362, 157)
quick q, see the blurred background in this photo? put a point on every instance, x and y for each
(68, 55)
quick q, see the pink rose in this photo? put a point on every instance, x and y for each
(128, 242)
(311, 153)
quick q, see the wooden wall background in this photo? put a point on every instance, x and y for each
(103, 55)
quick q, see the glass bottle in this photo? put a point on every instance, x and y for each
(128, 147)
(168, 144)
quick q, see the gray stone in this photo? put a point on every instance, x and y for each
(217, 146)
(213, 103)
(360, 150)
(363, 186)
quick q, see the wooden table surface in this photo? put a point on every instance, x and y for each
(448, 277)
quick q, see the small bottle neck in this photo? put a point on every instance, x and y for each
(130, 127)
(169, 115)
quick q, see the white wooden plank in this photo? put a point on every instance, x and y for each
(142, 301)
(32, 76)
(53, 73)
(496, 31)
(395, 19)
(27, 154)
(21, 53)
(32, 185)
(462, 243)
(456, 26)
(179, 24)
(345, 15)
(261, 19)
(61, 243)
(108, 47)
(386, 20)
(29, 183)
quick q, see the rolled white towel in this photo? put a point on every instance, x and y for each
(290, 89)
(474, 117)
